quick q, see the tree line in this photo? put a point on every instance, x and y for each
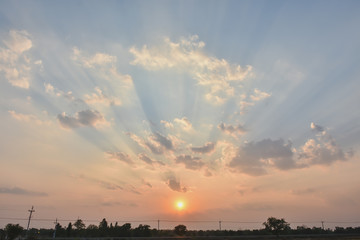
(78, 229)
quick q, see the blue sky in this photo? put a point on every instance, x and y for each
(121, 105)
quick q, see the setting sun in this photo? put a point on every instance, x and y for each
(180, 205)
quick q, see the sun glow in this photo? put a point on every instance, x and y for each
(180, 205)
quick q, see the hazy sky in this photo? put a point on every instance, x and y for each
(241, 109)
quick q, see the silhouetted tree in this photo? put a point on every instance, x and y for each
(92, 230)
(142, 231)
(180, 230)
(69, 230)
(276, 226)
(103, 228)
(13, 230)
(103, 224)
(79, 224)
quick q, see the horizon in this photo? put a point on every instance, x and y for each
(180, 110)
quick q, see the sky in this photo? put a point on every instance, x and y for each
(242, 110)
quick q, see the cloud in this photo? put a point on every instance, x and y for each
(116, 203)
(219, 77)
(156, 142)
(100, 98)
(121, 156)
(248, 101)
(184, 123)
(28, 118)
(21, 191)
(163, 141)
(167, 124)
(50, 89)
(98, 59)
(103, 65)
(259, 95)
(190, 162)
(254, 157)
(90, 118)
(317, 128)
(146, 183)
(232, 130)
(108, 185)
(148, 160)
(174, 184)
(14, 60)
(323, 150)
(305, 191)
(209, 147)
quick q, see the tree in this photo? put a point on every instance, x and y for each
(142, 231)
(13, 230)
(103, 228)
(180, 230)
(103, 224)
(276, 226)
(69, 230)
(79, 224)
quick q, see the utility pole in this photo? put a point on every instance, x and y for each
(31, 211)
(158, 225)
(54, 235)
(220, 225)
(322, 224)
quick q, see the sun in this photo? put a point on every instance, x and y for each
(180, 205)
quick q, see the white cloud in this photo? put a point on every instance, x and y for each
(19, 41)
(88, 117)
(100, 98)
(323, 150)
(259, 95)
(219, 76)
(28, 118)
(14, 60)
(184, 123)
(167, 124)
(103, 65)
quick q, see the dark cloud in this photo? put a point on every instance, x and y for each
(83, 118)
(190, 162)
(164, 141)
(304, 191)
(254, 157)
(207, 148)
(231, 130)
(113, 203)
(21, 191)
(316, 127)
(174, 184)
(121, 157)
(146, 183)
(148, 160)
(156, 143)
